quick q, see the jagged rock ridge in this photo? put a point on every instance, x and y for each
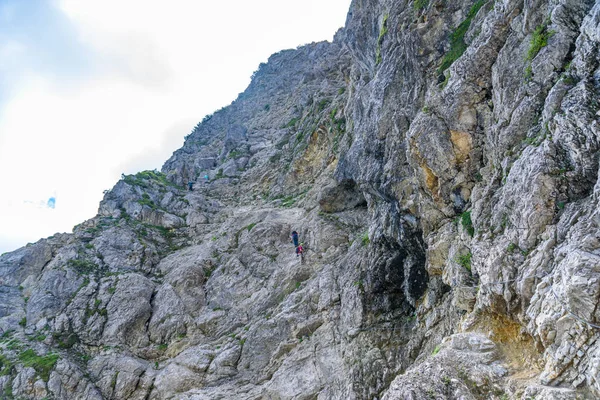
(440, 161)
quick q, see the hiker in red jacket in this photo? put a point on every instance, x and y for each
(300, 250)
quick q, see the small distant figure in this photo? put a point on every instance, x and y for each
(191, 185)
(300, 251)
(206, 178)
(295, 238)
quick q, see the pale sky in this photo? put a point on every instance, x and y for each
(90, 89)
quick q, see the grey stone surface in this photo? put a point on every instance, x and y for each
(449, 216)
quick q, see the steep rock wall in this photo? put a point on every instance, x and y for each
(440, 164)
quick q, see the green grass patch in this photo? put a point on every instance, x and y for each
(235, 154)
(382, 32)
(457, 38)
(288, 201)
(504, 223)
(569, 79)
(145, 179)
(100, 225)
(333, 113)
(167, 233)
(252, 225)
(467, 223)
(365, 239)
(533, 141)
(6, 336)
(528, 72)
(464, 261)
(43, 365)
(82, 267)
(322, 104)
(84, 357)
(6, 365)
(275, 158)
(146, 201)
(292, 123)
(67, 340)
(539, 40)
(420, 4)
(38, 337)
(14, 344)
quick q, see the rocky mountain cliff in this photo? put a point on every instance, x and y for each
(440, 162)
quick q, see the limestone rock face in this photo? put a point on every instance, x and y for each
(439, 161)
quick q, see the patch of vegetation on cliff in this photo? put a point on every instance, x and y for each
(146, 201)
(82, 267)
(323, 104)
(539, 40)
(220, 174)
(457, 38)
(235, 154)
(66, 340)
(464, 260)
(42, 364)
(146, 178)
(467, 223)
(420, 4)
(292, 123)
(6, 365)
(382, 33)
(101, 224)
(365, 239)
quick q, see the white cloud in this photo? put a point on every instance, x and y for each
(158, 68)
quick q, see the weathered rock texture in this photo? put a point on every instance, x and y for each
(440, 162)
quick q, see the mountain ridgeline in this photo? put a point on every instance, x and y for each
(439, 160)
